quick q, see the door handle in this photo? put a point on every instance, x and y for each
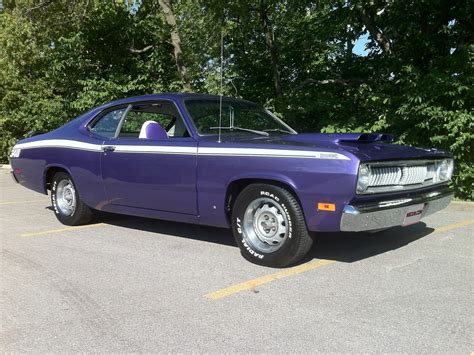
(108, 148)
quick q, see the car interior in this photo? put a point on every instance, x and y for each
(157, 120)
(151, 120)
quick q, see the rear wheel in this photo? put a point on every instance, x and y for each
(269, 226)
(68, 206)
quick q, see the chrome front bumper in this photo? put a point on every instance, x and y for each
(391, 213)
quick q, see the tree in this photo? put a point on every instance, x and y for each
(166, 6)
(59, 58)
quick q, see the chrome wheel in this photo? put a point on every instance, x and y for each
(66, 197)
(265, 225)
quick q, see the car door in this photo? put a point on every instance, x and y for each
(151, 172)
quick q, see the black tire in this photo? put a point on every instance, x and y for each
(292, 248)
(80, 214)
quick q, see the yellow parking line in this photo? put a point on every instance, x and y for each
(51, 231)
(251, 284)
(453, 226)
(18, 202)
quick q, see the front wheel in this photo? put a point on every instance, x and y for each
(269, 226)
(67, 204)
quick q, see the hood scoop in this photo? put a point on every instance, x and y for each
(336, 138)
(369, 138)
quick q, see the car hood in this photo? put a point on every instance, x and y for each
(366, 147)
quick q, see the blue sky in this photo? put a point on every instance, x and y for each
(359, 47)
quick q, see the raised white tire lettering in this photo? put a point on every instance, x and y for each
(251, 251)
(53, 193)
(268, 194)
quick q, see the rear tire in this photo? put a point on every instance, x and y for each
(67, 204)
(269, 226)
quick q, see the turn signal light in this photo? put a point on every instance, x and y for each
(326, 207)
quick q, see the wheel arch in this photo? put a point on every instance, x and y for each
(237, 184)
(49, 172)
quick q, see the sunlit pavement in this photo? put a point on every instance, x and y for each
(137, 285)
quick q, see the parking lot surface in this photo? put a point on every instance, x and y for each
(127, 284)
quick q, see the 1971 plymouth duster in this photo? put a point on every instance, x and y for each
(230, 163)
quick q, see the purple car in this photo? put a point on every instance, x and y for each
(230, 163)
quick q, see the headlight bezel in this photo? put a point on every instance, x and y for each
(444, 170)
(363, 178)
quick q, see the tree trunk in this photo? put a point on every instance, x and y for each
(272, 46)
(170, 18)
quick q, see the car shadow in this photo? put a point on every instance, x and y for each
(351, 247)
(342, 247)
(183, 230)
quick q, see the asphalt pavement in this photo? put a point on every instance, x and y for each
(127, 284)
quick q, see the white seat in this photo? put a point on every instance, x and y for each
(152, 130)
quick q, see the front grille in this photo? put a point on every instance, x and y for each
(385, 176)
(401, 175)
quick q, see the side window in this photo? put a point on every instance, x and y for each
(162, 112)
(107, 124)
(135, 119)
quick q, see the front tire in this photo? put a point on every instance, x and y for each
(269, 226)
(67, 204)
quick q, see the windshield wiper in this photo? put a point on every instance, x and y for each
(261, 133)
(277, 130)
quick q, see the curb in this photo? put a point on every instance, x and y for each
(5, 166)
(459, 202)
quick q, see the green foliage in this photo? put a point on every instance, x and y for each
(60, 58)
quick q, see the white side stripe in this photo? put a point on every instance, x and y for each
(168, 149)
(60, 143)
(274, 153)
(180, 150)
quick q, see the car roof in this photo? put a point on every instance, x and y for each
(169, 96)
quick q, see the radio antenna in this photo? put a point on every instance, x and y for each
(220, 90)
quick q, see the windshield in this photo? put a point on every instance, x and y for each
(237, 116)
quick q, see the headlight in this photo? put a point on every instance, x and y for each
(445, 170)
(15, 153)
(363, 178)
